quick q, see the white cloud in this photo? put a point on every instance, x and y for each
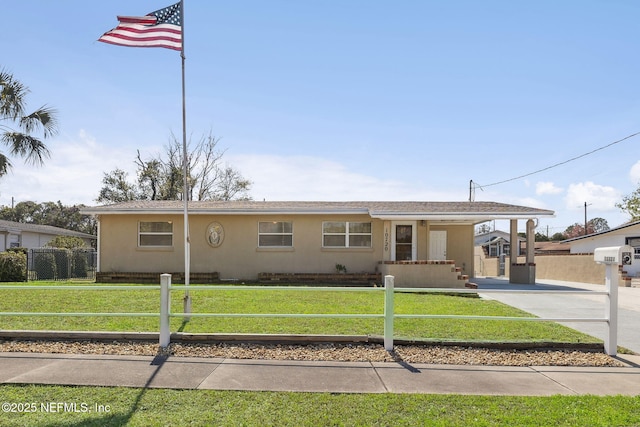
(547, 188)
(634, 173)
(312, 178)
(597, 197)
(72, 175)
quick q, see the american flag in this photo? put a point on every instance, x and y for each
(162, 28)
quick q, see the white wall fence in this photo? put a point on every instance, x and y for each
(610, 309)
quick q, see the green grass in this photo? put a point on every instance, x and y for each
(151, 407)
(276, 301)
(155, 407)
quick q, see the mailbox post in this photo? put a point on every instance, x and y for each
(610, 256)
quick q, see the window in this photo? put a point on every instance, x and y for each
(346, 234)
(155, 233)
(493, 250)
(275, 234)
(635, 243)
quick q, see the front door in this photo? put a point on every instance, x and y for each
(438, 245)
(404, 239)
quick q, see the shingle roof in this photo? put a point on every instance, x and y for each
(44, 229)
(376, 209)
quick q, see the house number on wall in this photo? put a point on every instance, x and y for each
(215, 234)
(386, 239)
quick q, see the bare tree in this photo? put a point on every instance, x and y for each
(161, 178)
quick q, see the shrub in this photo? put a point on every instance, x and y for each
(19, 250)
(80, 264)
(13, 266)
(44, 264)
(62, 263)
(66, 242)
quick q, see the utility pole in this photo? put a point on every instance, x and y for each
(585, 217)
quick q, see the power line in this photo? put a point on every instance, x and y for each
(559, 164)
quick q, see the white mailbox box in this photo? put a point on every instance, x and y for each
(619, 255)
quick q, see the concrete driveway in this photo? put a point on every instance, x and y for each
(573, 306)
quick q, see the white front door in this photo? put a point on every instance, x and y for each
(438, 245)
(403, 238)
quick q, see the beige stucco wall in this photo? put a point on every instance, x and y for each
(423, 275)
(571, 268)
(460, 241)
(239, 256)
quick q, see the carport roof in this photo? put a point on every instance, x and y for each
(475, 212)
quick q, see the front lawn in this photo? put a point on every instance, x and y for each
(116, 406)
(276, 301)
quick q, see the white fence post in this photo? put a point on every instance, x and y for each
(165, 331)
(388, 312)
(611, 313)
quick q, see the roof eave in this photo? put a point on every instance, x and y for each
(203, 211)
(473, 217)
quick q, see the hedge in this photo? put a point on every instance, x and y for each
(13, 266)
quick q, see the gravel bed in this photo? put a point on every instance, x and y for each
(327, 351)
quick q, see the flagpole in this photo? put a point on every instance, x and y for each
(185, 172)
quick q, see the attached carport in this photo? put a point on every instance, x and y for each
(451, 213)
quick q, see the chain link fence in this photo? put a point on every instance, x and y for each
(61, 264)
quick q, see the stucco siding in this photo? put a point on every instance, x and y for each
(239, 256)
(588, 244)
(460, 240)
(119, 251)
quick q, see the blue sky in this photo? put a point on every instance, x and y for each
(346, 100)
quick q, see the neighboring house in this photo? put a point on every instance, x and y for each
(626, 234)
(496, 243)
(551, 248)
(420, 243)
(33, 236)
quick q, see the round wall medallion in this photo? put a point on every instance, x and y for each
(215, 234)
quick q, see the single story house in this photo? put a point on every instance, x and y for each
(33, 236)
(420, 243)
(551, 248)
(496, 243)
(625, 234)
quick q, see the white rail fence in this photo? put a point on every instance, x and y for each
(610, 309)
(610, 317)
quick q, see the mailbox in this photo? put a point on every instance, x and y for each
(619, 255)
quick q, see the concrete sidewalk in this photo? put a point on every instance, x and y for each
(334, 377)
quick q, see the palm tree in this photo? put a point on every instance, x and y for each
(20, 138)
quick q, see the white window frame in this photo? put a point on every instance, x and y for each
(414, 238)
(275, 234)
(154, 233)
(347, 234)
(632, 241)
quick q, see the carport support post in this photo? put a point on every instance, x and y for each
(165, 332)
(611, 313)
(388, 312)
